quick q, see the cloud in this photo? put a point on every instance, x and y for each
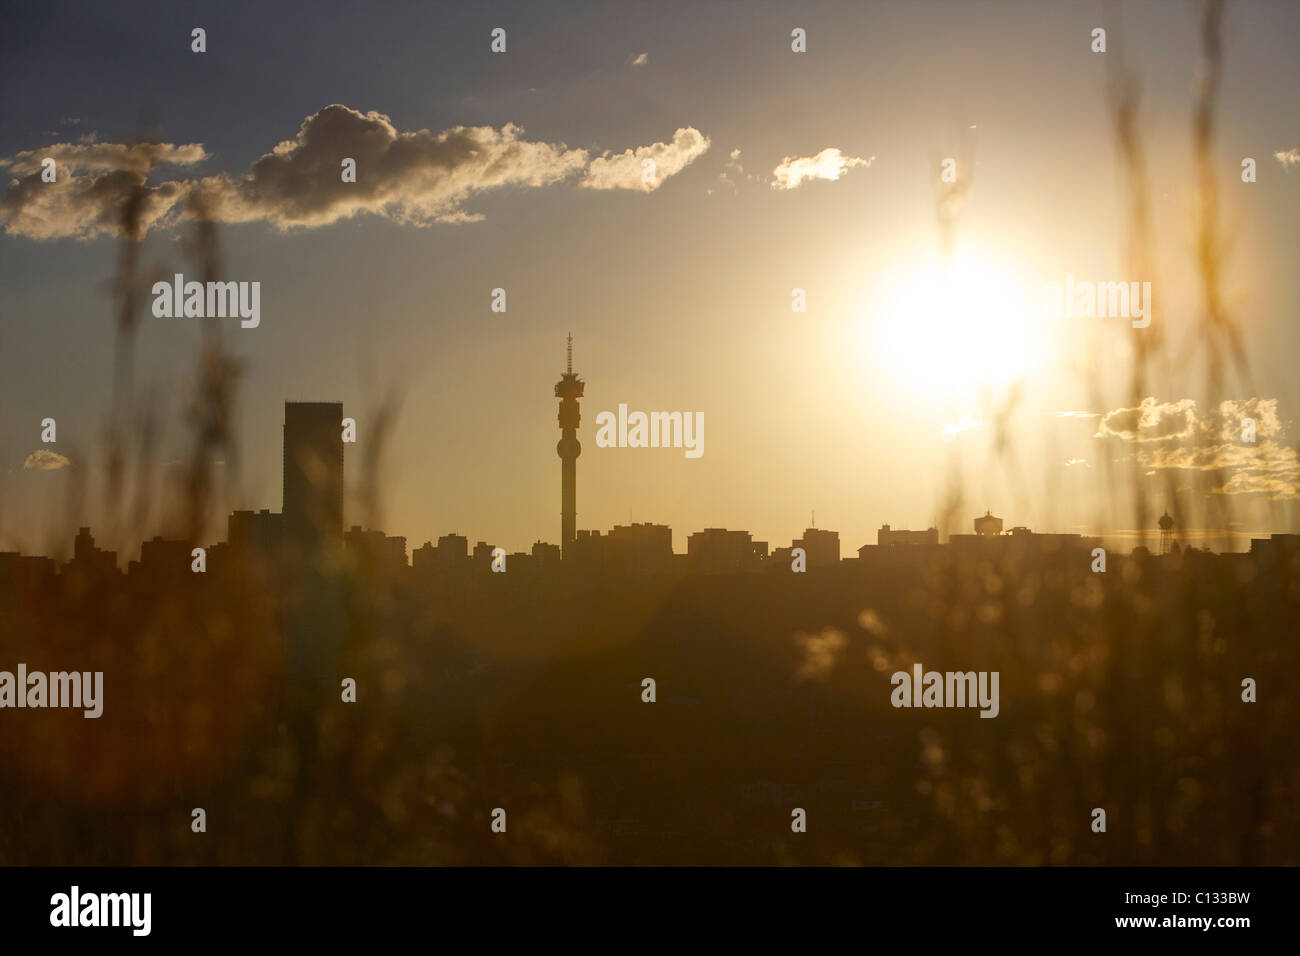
(624, 170)
(829, 164)
(413, 178)
(45, 460)
(92, 157)
(1255, 483)
(1287, 158)
(1176, 435)
(641, 59)
(95, 184)
(409, 177)
(732, 175)
(1150, 421)
(950, 431)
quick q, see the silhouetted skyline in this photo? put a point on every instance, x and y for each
(311, 520)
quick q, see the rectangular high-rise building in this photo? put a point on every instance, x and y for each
(821, 547)
(313, 476)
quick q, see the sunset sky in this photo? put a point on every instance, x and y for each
(522, 171)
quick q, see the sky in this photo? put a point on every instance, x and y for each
(910, 373)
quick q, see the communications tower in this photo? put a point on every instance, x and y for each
(568, 390)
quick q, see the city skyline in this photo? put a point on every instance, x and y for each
(311, 515)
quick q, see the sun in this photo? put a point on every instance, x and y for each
(974, 326)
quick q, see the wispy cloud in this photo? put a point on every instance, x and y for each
(951, 430)
(1288, 157)
(830, 164)
(732, 175)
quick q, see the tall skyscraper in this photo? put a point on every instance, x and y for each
(568, 390)
(313, 476)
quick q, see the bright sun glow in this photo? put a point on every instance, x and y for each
(978, 327)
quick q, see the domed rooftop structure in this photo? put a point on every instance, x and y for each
(989, 524)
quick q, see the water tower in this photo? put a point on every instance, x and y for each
(988, 525)
(1166, 533)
